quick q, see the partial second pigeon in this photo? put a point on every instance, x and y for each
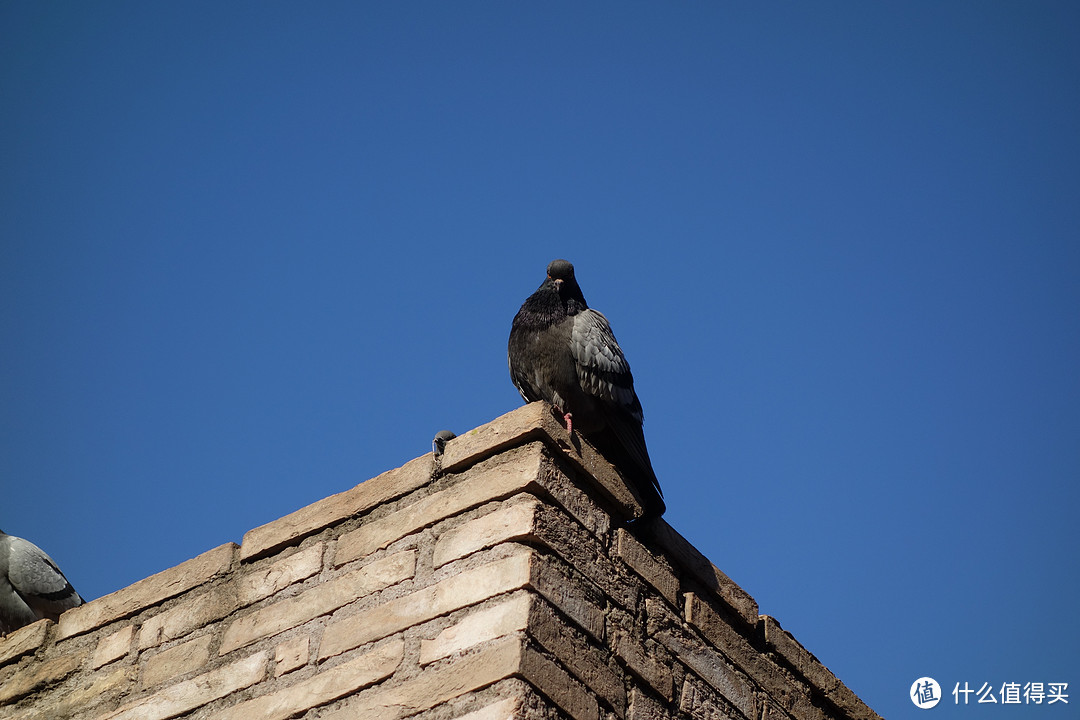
(31, 585)
(438, 444)
(563, 352)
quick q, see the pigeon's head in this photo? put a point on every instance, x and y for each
(560, 270)
(561, 275)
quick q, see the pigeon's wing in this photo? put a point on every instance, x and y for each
(604, 373)
(37, 579)
(602, 368)
(14, 613)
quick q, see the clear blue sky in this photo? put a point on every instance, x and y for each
(253, 253)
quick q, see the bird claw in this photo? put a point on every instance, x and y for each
(567, 418)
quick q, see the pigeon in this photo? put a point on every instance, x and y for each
(563, 352)
(31, 586)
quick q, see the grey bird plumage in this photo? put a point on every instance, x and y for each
(31, 585)
(438, 444)
(563, 352)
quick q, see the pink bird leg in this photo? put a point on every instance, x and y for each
(567, 418)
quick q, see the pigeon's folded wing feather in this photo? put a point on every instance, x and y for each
(602, 368)
(38, 580)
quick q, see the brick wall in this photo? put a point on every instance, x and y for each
(495, 581)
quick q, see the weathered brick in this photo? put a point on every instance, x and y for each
(498, 478)
(319, 600)
(587, 555)
(638, 557)
(813, 671)
(522, 569)
(435, 685)
(514, 521)
(39, 675)
(291, 654)
(851, 704)
(646, 662)
(556, 683)
(453, 593)
(329, 685)
(25, 639)
(294, 527)
(567, 492)
(505, 709)
(578, 601)
(113, 646)
(176, 661)
(573, 650)
(479, 626)
(190, 694)
(517, 427)
(689, 558)
(701, 659)
(103, 687)
(149, 591)
(644, 707)
(701, 701)
(790, 696)
(188, 615)
(536, 422)
(561, 484)
(268, 579)
(770, 711)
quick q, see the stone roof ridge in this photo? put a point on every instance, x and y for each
(516, 550)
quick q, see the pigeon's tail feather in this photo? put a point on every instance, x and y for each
(622, 442)
(51, 604)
